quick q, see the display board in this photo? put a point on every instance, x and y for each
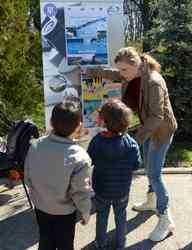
(77, 35)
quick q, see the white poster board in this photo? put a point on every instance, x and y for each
(76, 35)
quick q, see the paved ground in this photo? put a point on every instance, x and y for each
(18, 230)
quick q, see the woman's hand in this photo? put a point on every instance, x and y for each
(93, 72)
(106, 73)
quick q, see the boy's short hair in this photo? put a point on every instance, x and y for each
(116, 115)
(65, 118)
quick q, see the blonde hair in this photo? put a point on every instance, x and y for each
(151, 62)
(131, 56)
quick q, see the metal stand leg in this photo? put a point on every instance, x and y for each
(29, 200)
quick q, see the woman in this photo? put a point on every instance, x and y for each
(156, 132)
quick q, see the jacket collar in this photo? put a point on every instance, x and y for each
(60, 139)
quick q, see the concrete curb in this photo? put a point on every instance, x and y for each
(168, 171)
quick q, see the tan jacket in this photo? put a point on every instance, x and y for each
(156, 112)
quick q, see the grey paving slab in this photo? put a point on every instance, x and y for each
(18, 229)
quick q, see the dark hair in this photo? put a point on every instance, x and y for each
(116, 115)
(65, 118)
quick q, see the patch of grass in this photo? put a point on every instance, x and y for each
(135, 120)
(180, 154)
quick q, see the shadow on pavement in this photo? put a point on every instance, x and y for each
(131, 225)
(19, 231)
(188, 247)
(145, 244)
(139, 219)
(4, 198)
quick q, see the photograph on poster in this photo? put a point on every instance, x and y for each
(53, 37)
(59, 88)
(95, 92)
(86, 33)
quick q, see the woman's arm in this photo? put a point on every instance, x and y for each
(155, 112)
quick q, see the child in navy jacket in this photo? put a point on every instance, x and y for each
(115, 155)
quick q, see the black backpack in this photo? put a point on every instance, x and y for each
(18, 143)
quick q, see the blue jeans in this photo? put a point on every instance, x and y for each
(154, 159)
(103, 209)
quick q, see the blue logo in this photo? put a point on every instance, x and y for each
(49, 26)
(50, 10)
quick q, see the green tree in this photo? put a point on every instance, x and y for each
(35, 13)
(172, 40)
(20, 75)
(141, 14)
